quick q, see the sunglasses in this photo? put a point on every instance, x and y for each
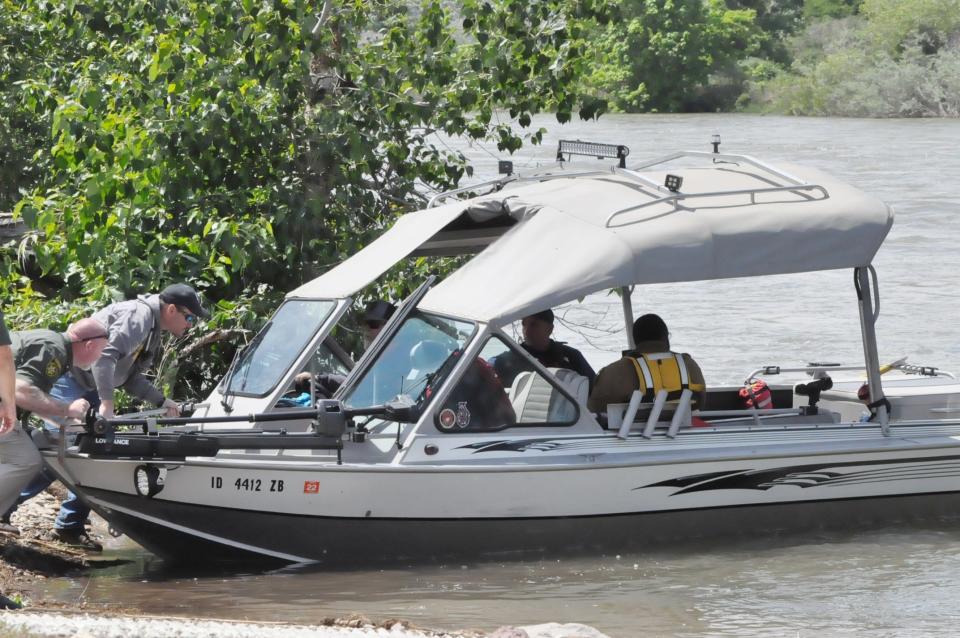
(191, 318)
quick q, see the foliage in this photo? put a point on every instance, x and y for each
(661, 52)
(819, 9)
(246, 146)
(894, 24)
(900, 58)
(777, 19)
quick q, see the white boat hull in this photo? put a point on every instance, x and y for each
(303, 510)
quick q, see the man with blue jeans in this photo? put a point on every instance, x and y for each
(41, 356)
(135, 330)
(73, 512)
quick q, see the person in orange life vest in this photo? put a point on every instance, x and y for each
(649, 367)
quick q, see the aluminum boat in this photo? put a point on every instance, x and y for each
(418, 456)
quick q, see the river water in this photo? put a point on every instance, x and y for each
(902, 581)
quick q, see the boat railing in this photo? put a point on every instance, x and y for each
(670, 194)
(906, 368)
(780, 182)
(494, 185)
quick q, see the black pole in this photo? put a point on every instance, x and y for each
(262, 417)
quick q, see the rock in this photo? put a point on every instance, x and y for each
(562, 630)
(509, 632)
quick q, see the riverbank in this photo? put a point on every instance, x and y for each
(55, 625)
(30, 560)
(27, 561)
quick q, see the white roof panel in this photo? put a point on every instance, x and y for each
(572, 247)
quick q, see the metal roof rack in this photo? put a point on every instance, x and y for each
(781, 181)
(672, 196)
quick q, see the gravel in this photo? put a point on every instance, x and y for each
(52, 624)
(100, 626)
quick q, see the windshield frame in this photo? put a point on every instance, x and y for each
(321, 331)
(358, 375)
(479, 342)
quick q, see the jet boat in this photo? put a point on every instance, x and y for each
(424, 453)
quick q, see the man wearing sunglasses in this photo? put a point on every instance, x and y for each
(135, 329)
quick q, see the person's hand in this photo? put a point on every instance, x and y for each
(8, 417)
(78, 409)
(106, 409)
(172, 407)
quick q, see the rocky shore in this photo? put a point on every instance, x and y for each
(27, 561)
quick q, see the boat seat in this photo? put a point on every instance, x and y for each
(576, 384)
(530, 396)
(536, 400)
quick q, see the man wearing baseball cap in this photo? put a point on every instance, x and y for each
(537, 329)
(135, 328)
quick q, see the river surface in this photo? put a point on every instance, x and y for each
(899, 581)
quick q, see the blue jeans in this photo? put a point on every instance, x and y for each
(73, 512)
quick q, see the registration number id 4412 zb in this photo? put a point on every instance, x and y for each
(248, 484)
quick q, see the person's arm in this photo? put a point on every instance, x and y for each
(696, 379)
(30, 397)
(580, 365)
(8, 407)
(140, 387)
(615, 384)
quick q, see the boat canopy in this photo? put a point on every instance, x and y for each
(460, 227)
(596, 233)
(544, 243)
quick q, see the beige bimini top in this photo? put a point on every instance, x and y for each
(568, 237)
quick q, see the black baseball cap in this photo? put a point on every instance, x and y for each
(378, 311)
(186, 297)
(544, 315)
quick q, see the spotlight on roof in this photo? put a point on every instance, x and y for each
(673, 183)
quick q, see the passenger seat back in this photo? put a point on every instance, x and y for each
(536, 400)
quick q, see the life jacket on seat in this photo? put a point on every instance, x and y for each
(663, 371)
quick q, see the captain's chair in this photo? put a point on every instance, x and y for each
(536, 400)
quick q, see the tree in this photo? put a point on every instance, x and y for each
(897, 58)
(662, 52)
(243, 146)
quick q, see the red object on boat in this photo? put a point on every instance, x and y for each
(757, 395)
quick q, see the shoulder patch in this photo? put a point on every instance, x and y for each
(53, 369)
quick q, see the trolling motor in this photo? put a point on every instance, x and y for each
(328, 423)
(96, 424)
(812, 391)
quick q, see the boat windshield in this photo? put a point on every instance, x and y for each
(413, 361)
(271, 353)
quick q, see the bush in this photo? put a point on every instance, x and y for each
(244, 146)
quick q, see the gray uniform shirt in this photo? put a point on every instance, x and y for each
(134, 328)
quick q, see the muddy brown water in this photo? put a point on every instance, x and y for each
(895, 581)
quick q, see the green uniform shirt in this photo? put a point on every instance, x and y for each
(41, 357)
(4, 335)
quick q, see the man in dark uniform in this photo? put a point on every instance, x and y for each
(537, 329)
(40, 358)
